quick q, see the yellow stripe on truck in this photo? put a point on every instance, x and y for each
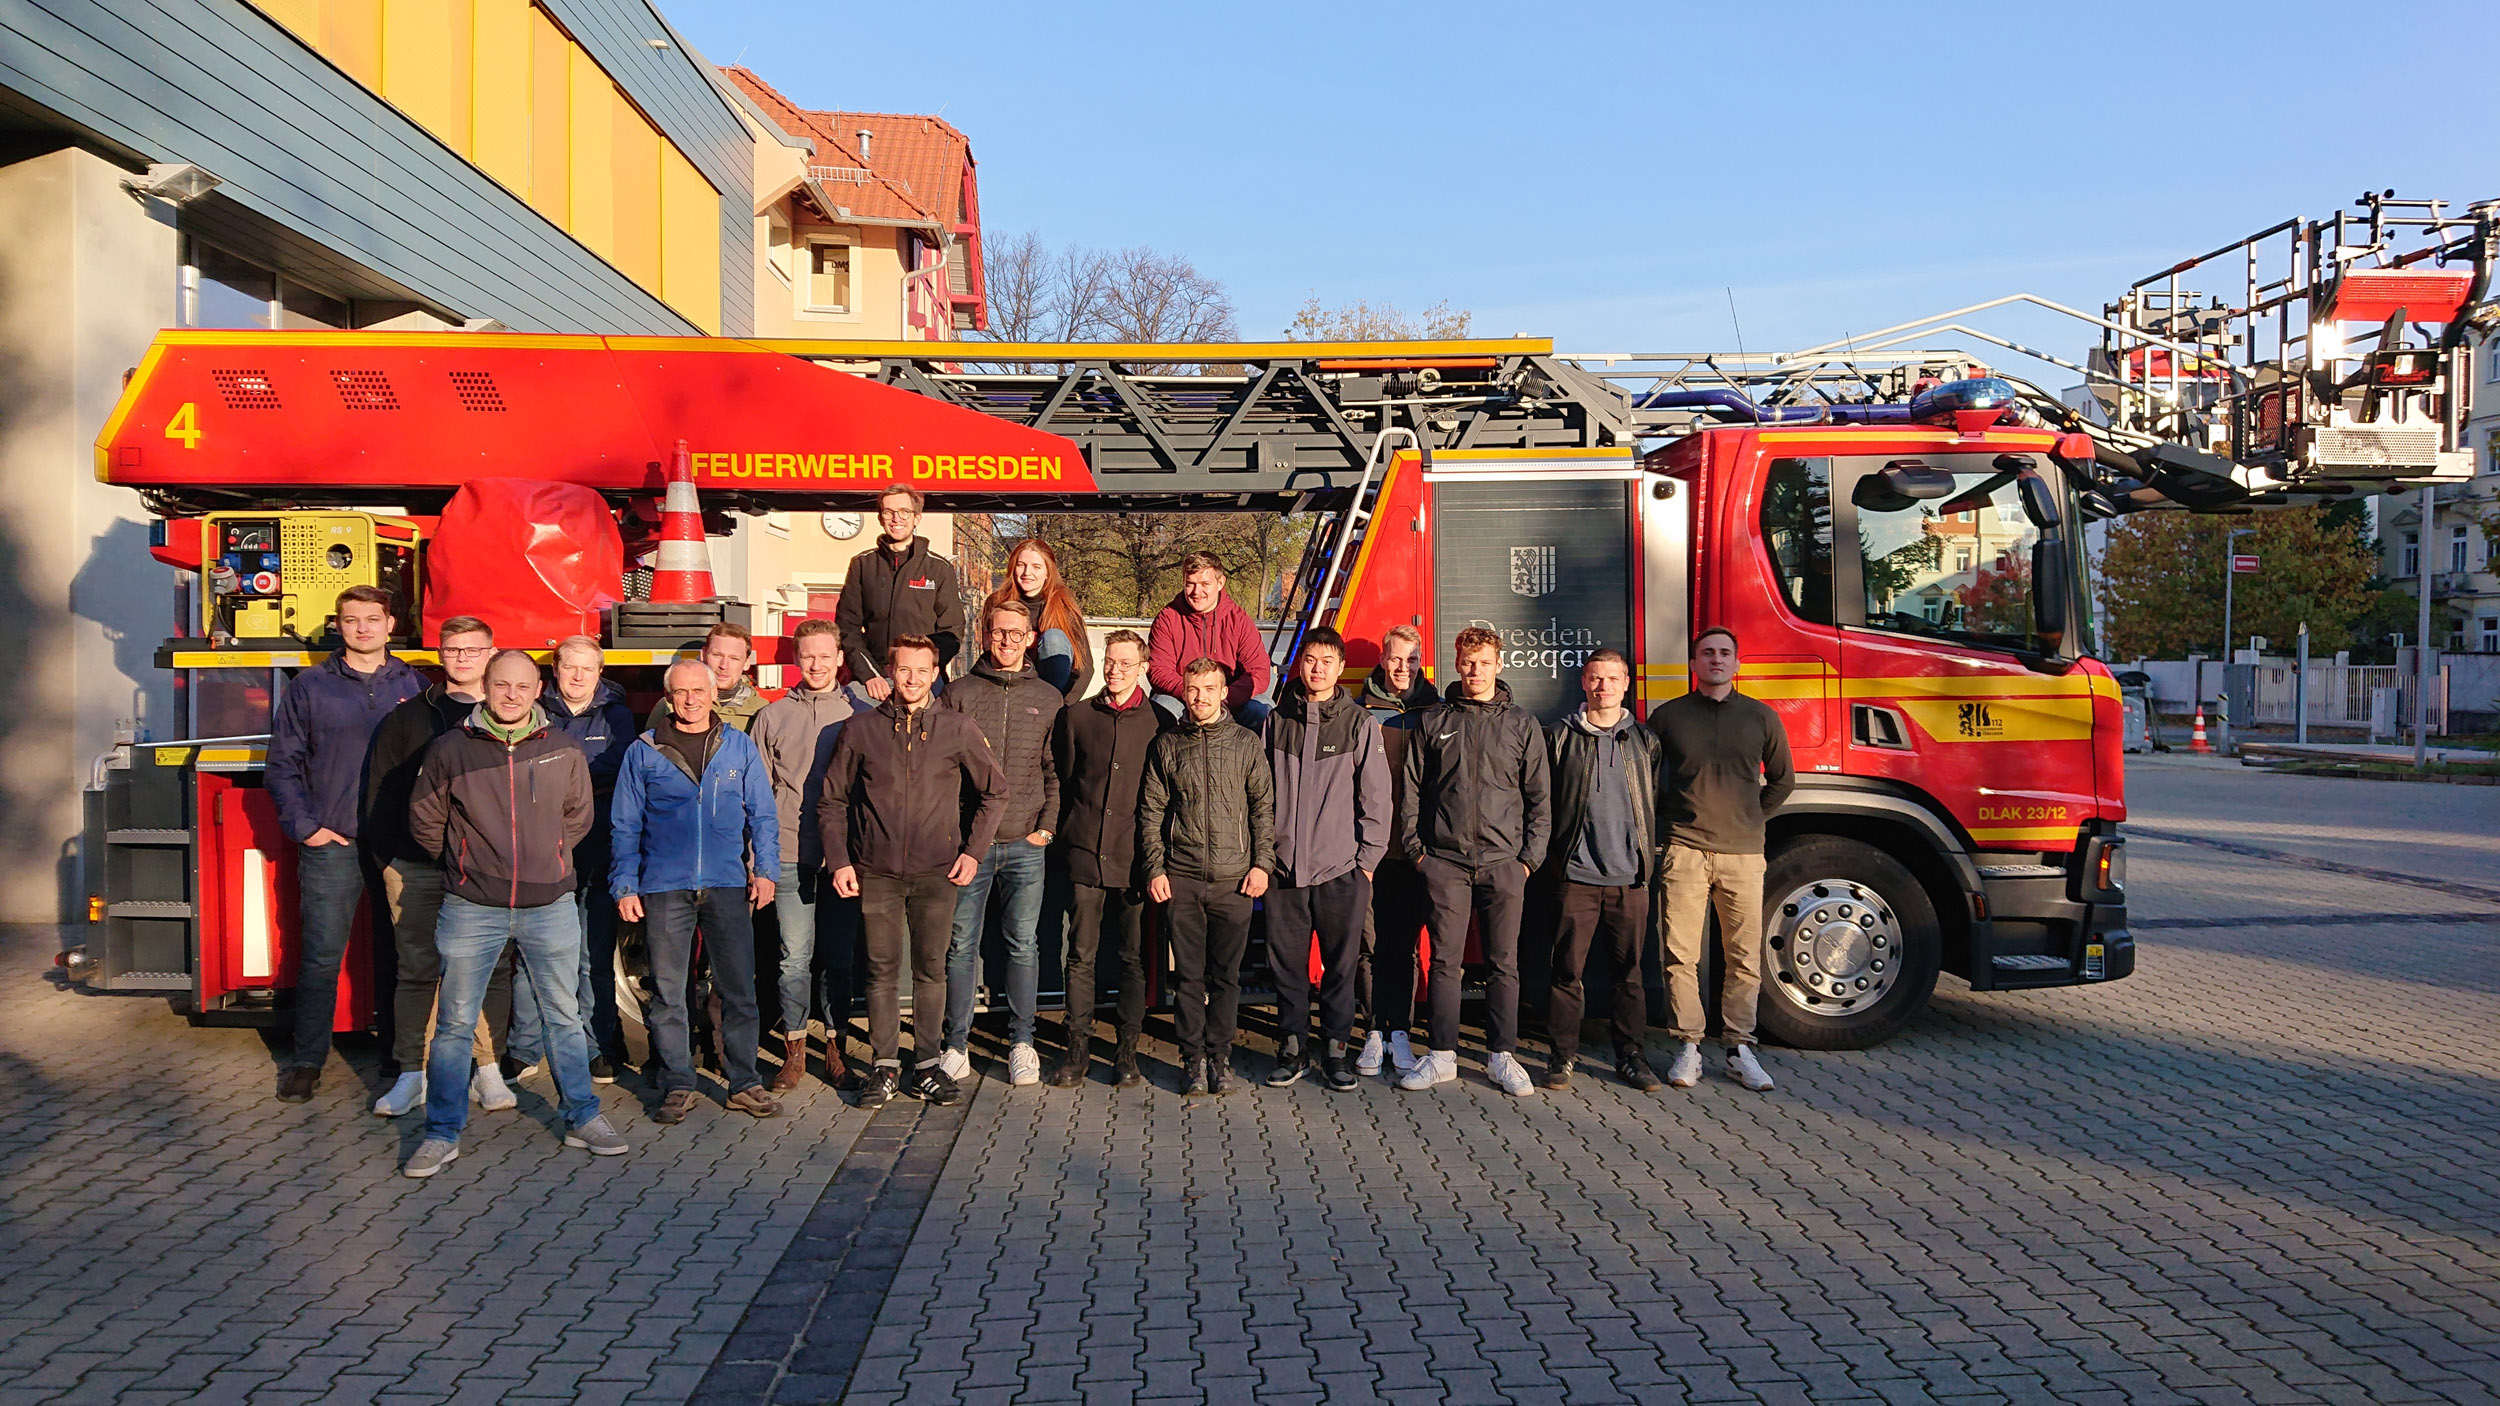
(2001, 719)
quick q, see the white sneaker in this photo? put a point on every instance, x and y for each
(1374, 1051)
(490, 1091)
(955, 1065)
(1686, 1071)
(1503, 1069)
(1024, 1066)
(1431, 1067)
(405, 1095)
(1401, 1052)
(1746, 1070)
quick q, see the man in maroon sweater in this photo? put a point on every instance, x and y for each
(1202, 622)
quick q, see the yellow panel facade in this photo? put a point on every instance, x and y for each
(689, 240)
(351, 37)
(594, 157)
(635, 165)
(500, 93)
(303, 17)
(551, 123)
(426, 66)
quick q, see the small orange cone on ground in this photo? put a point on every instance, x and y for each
(681, 570)
(2196, 743)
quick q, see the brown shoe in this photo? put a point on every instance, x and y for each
(296, 1083)
(755, 1103)
(793, 1063)
(676, 1107)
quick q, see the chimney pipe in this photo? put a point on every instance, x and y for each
(864, 134)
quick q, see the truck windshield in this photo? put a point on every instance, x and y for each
(1953, 566)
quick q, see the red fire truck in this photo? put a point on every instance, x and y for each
(1900, 556)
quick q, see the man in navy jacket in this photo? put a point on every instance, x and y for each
(697, 837)
(317, 744)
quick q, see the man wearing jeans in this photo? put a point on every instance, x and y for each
(1016, 711)
(911, 802)
(796, 734)
(1474, 816)
(696, 837)
(317, 742)
(503, 799)
(1726, 766)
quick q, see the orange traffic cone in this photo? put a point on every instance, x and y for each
(682, 568)
(2196, 742)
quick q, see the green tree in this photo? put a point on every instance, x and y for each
(2161, 581)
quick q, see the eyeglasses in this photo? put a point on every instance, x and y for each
(1010, 635)
(896, 514)
(466, 652)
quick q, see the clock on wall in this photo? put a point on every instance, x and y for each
(842, 527)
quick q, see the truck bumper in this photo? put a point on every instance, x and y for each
(2043, 927)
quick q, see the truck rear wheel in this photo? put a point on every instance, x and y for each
(1850, 945)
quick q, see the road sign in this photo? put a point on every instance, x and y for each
(2245, 565)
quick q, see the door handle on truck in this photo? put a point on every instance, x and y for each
(1874, 726)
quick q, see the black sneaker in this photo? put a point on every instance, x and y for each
(1337, 1067)
(880, 1087)
(1633, 1069)
(932, 1086)
(1292, 1062)
(1558, 1072)
(602, 1071)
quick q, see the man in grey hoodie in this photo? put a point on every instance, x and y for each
(796, 733)
(1332, 827)
(1599, 865)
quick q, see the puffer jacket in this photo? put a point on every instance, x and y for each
(1572, 746)
(909, 791)
(605, 728)
(796, 733)
(1017, 713)
(1101, 752)
(1332, 786)
(675, 831)
(1207, 807)
(504, 816)
(1476, 783)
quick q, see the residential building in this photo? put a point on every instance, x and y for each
(2465, 577)
(563, 165)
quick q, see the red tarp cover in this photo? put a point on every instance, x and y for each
(536, 560)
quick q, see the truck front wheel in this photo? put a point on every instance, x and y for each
(1850, 945)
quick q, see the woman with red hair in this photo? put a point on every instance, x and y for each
(1060, 653)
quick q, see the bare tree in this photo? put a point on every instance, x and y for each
(1365, 321)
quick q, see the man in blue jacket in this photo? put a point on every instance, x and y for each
(317, 742)
(697, 836)
(591, 710)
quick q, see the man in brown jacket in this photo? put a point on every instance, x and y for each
(502, 800)
(912, 799)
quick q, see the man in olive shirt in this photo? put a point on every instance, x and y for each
(1725, 766)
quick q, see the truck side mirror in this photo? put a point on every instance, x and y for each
(1900, 483)
(2039, 503)
(2052, 591)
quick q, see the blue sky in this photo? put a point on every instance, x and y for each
(1609, 174)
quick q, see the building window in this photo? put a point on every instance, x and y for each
(2491, 370)
(2456, 549)
(2412, 567)
(221, 290)
(827, 286)
(2491, 634)
(1961, 559)
(777, 244)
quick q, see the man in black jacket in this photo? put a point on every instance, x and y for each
(412, 877)
(1101, 749)
(911, 801)
(1598, 868)
(1475, 817)
(896, 588)
(1017, 710)
(1206, 836)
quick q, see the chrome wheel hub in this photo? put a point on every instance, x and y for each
(1831, 947)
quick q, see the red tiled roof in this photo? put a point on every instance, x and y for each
(918, 168)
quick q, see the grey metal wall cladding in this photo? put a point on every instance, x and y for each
(215, 83)
(693, 114)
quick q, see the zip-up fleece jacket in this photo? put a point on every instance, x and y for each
(1017, 713)
(1332, 787)
(1476, 783)
(796, 733)
(675, 831)
(1101, 751)
(1572, 746)
(1207, 807)
(885, 596)
(320, 737)
(605, 728)
(738, 706)
(910, 791)
(1225, 634)
(1397, 715)
(391, 772)
(504, 816)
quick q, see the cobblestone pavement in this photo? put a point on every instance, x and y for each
(169, 1232)
(2266, 1168)
(2261, 1170)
